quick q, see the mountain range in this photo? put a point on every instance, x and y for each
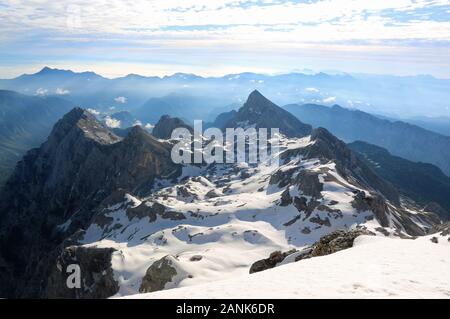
(388, 95)
(134, 221)
(399, 138)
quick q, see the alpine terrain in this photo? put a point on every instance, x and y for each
(136, 222)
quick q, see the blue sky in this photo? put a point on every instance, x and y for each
(212, 37)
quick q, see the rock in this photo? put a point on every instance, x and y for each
(274, 258)
(213, 194)
(159, 274)
(309, 184)
(434, 240)
(166, 124)
(306, 230)
(443, 229)
(68, 177)
(336, 241)
(320, 221)
(196, 258)
(375, 203)
(286, 198)
(97, 278)
(259, 112)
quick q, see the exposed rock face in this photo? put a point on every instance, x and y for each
(97, 279)
(262, 113)
(81, 163)
(334, 242)
(274, 258)
(166, 124)
(159, 274)
(328, 148)
(375, 203)
(329, 244)
(442, 229)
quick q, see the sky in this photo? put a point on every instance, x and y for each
(212, 37)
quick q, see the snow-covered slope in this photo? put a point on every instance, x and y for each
(216, 221)
(376, 267)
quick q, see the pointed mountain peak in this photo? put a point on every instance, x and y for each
(80, 119)
(166, 124)
(260, 112)
(257, 99)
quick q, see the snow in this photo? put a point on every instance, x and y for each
(376, 267)
(243, 224)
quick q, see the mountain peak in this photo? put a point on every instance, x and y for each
(83, 120)
(166, 124)
(257, 99)
(48, 70)
(260, 112)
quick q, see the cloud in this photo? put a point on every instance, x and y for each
(111, 122)
(121, 99)
(148, 126)
(137, 123)
(41, 92)
(312, 90)
(171, 31)
(60, 91)
(329, 100)
(94, 111)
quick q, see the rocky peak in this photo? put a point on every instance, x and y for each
(258, 102)
(166, 124)
(81, 121)
(259, 112)
(81, 163)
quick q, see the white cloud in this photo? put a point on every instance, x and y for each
(60, 91)
(329, 100)
(148, 126)
(312, 90)
(112, 123)
(41, 92)
(325, 20)
(335, 28)
(94, 111)
(121, 99)
(137, 123)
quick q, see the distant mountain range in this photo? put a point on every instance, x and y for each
(399, 138)
(415, 96)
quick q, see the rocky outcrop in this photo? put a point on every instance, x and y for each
(166, 124)
(160, 273)
(374, 203)
(275, 258)
(96, 276)
(328, 244)
(334, 242)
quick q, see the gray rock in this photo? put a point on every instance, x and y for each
(166, 124)
(274, 258)
(336, 241)
(97, 278)
(159, 274)
(196, 258)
